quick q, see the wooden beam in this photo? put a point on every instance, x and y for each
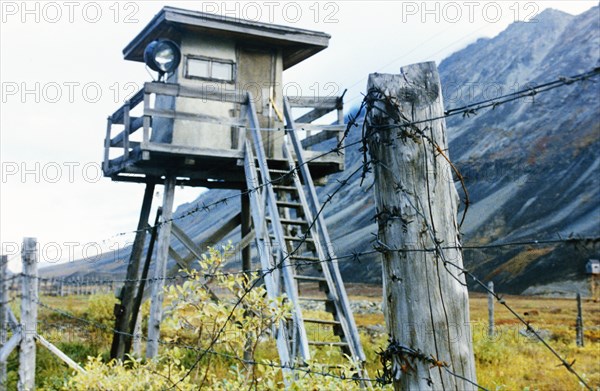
(213, 238)
(118, 116)
(318, 138)
(9, 346)
(313, 115)
(204, 93)
(186, 241)
(56, 351)
(136, 123)
(165, 113)
(178, 260)
(137, 302)
(162, 255)
(319, 102)
(127, 296)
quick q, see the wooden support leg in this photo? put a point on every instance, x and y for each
(123, 310)
(134, 322)
(246, 261)
(160, 271)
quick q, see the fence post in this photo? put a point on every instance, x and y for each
(137, 336)
(427, 303)
(3, 314)
(28, 315)
(160, 270)
(579, 322)
(491, 300)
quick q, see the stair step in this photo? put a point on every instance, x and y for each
(319, 299)
(286, 188)
(325, 343)
(289, 204)
(305, 258)
(277, 171)
(321, 321)
(294, 238)
(291, 222)
(309, 278)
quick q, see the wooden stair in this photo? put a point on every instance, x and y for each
(289, 239)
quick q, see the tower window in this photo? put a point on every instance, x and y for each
(207, 68)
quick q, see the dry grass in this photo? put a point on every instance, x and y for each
(508, 361)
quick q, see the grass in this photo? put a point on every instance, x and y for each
(508, 361)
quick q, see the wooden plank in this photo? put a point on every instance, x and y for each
(127, 296)
(180, 115)
(106, 161)
(186, 241)
(195, 151)
(215, 237)
(118, 116)
(318, 138)
(136, 123)
(162, 255)
(318, 102)
(29, 312)
(9, 346)
(12, 320)
(127, 122)
(137, 302)
(183, 182)
(204, 93)
(147, 121)
(56, 351)
(178, 259)
(313, 115)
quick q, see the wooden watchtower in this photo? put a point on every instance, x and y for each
(221, 120)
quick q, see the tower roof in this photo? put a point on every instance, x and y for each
(296, 44)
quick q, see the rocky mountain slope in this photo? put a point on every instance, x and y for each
(531, 166)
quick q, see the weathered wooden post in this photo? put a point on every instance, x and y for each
(491, 300)
(127, 295)
(162, 255)
(427, 304)
(579, 322)
(28, 315)
(3, 314)
(137, 336)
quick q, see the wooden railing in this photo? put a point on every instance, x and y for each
(315, 134)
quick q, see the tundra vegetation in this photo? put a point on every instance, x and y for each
(194, 323)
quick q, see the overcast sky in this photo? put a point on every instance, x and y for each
(62, 73)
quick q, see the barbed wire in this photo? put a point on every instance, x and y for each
(353, 256)
(467, 111)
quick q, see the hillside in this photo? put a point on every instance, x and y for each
(531, 166)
